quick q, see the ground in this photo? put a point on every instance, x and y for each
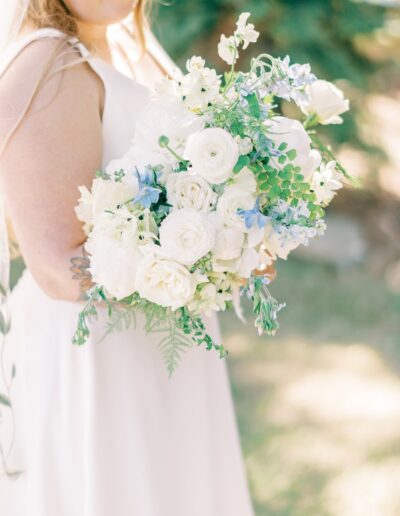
(319, 404)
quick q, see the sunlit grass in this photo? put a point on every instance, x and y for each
(319, 404)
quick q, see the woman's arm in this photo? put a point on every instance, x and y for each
(57, 147)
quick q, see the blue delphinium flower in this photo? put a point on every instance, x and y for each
(287, 214)
(253, 217)
(148, 194)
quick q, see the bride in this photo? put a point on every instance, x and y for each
(96, 430)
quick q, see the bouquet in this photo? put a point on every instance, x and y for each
(217, 185)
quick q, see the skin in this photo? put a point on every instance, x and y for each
(43, 215)
(47, 159)
(94, 16)
(99, 12)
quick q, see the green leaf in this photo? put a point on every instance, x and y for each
(88, 312)
(4, 400)
(173, 345)
(242, 162)
(265, 308)
(4, 325)
(275, 192)
(254, 105)
(120, 319)
(292, 154)
(3, 291)
(283, 146)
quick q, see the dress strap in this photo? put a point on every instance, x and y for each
(17, 46)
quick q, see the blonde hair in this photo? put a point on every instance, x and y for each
(55, 14)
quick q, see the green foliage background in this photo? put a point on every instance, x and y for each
(322, 32)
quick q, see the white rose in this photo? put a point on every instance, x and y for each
(229, 243)
(233, 199)
(186, 190)
(326, 101)
(187, 235)
(165, 282)
(227, 49)
(213, 153)
(104, 195)
(292, 132)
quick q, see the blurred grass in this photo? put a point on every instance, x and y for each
(319, 404)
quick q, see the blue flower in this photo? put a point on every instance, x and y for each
(253, 217)
(148, 193)
(148, 196)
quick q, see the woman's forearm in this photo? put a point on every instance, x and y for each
(66, 276)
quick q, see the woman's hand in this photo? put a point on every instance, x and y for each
(269, 271)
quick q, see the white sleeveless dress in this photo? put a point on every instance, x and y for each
(101, 430)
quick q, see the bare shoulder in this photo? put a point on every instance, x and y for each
(47, 73)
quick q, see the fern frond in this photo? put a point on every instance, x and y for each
(157, 318)
(120, 319)
(173, 345)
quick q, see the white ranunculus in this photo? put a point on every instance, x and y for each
(114, 254)
(233, 199)
(227, 49)
(186, 235)
(325, 182)
(185, 190)
(165, 282)
(326, 101)
(292, 132)
(212, 153)
(228, 244)
(246, 30)
(104, 195)
(246, 180)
